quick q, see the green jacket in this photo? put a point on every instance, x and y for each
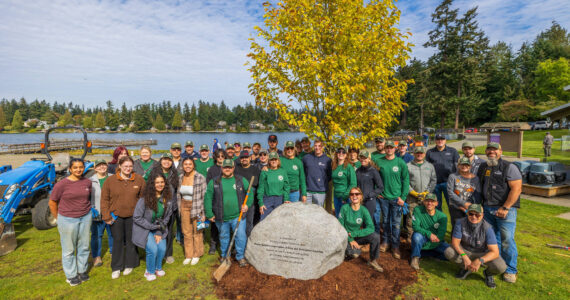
(357, 223)
(343, 178)
(295, 173)
(395, 177)
(273, 183)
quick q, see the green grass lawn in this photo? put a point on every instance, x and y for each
(532, 146)
(34, 270)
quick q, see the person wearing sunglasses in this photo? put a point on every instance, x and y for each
(370, 183)
(295, 172)
(176, 152)
(214, 172)
(273, 189)
(463, 189)
(473, 245)
(360, 228)
(263, 160)
(429, 226)
(343, 178)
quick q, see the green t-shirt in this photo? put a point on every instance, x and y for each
(295, 173)
(159, 210)
(102, 180)
(273, 183)
(231, 204)
(146, 164)
(375, 156)
(343, 178)
(203, 166)
(395, 177)
(425, 224)
(302, 154)
(357, 223)
(356, 165)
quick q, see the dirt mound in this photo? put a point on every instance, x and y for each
(353, 279)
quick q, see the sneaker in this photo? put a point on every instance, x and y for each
(74, 281)
(160, 273)
(149, 277)
(489, 280)
(384, 247)
(115, 274)
(396, 253)
(97, 262)
(195, 261)
(170, 259)
(242, 262)
(415, 263)
(127, 271)
(375, 266)
(509, 277)
(187, 261)
(462, 274)
(212, 250)
(83, 276)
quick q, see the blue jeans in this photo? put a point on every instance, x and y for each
(225, 228)
(270, 203)
(316, 198)
(154, 253)
(377, 214)
(439, 189)
(391, 219)
(97, 230)
(294, 196)
(505, 232)
(74, 237)
(338, 203)
(419, 240)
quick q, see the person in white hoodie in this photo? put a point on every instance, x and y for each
(98, 226)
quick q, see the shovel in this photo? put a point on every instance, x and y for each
(226, 263)
(8, 241)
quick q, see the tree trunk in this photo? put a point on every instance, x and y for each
(456, 118)
(422, 118)
(404, 118)
(442, 120)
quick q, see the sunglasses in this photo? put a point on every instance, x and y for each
(176, 149)
(474, 214)
(341, 152)
(228, 167)
(354, 194)
(263, 154)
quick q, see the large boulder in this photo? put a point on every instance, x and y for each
(297, 240)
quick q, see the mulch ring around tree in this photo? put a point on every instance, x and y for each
(353, 279)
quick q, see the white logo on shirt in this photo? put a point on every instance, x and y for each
(234, 186)
(436, 225)
(280, 178)
(395, 169)
(295, 167)
(339, 173)
(359, 221)
(321, 164)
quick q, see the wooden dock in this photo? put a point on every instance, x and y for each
(70, 144)
(546, 191)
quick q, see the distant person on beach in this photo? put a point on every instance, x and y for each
(119, 153)
(70, 203)
(145, 163)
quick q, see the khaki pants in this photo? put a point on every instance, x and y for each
(495, 267)
(193, 239)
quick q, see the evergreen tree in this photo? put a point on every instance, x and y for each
(17, 122)
(159, 123)
(87, 122)
(125, 116)
(196, 126)
(177, 121)
(142, 117)
(2, 118)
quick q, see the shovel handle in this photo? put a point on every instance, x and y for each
(246, 197)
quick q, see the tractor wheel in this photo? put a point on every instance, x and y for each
(41, 215)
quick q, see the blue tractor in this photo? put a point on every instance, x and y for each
(27, 188)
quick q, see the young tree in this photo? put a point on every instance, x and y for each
(17, 121)
(177, 121)
(196, 126)
(550, 79)
(159, 123)
(100, 121)
(87, 122)
(515, 110)
(65, 119)
(334, 59)
(2, 118)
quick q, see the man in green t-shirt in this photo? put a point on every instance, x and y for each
(205, 161)
(223, 204)
(429, 226)
(380, 151)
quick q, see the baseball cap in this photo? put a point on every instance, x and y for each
(467, 144)
(189, 143)
(175, 146)
(402, 142)
(305, 139)
(237, 143)
(246, 145)
(364, 153)
(431, 196)
(257, 143)
(289, 144)
(420, 149)
(379, 139)
(227, 163)
(244, 153)
(272, 138)
(439, 136)
(273, 155)
(390, 144)
(204, 147)
(464, 161)
(230, 146)
(494, 145)
(100, 161)
(476, 208)
(166, 155)
(263, 150)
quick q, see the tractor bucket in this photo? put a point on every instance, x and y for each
(8, 241)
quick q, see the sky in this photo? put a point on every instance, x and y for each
(138, 52)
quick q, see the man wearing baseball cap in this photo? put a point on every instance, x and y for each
(231, 152)
(430, 226)
(306, 146)
(189, 151)
(473, 245)
(247, 170)
(501, 183)
(204, 162)
(468, 149)
(380, 152)
(272, 142)
(246, 147)
(403, 152)
(223, 202)
(444, 159)
(237, 148)
(98, 226)
(176, 152)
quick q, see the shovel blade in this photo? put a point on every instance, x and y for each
(8, 241)
(222, 269)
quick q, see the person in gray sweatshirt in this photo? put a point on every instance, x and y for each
(464, 189)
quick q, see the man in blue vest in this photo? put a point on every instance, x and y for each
(501, 183)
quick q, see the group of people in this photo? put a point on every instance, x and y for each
(139, 201)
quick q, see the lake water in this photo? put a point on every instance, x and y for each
(163, 139)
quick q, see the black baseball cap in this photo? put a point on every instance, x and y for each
(244, 153)
(272, 138)
(439, 136)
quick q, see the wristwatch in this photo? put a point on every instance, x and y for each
(482, 260)
(505, 208)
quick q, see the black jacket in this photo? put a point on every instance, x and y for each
(369, 181)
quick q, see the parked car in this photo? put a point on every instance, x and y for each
(541, 125)
(404, 133)
(471, 130)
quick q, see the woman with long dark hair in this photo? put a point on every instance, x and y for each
(151, 215)
(119, 153)
(343, 178)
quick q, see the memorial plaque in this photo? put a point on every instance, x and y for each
(297, 240)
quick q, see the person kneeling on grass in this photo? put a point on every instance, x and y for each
(150, 220)
(473, 244)
(358, 223)
(429, 226)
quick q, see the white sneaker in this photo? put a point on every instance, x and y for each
(187, 261)
(160, 273)
(115, 274)
(149, 277)
(195, 260)
(127, 271)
